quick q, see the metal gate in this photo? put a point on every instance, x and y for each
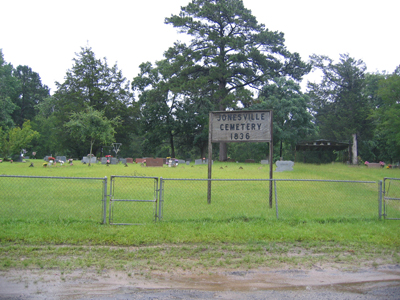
(133, 200)
(391, 198)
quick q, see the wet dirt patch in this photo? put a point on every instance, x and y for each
(222, 283)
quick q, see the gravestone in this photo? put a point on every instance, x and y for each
(129, 160)
(198, 161)
(284, 165)
(187, 162)
(374, 165)
(171, 162)
(122, 160)
(85, 160)
(140, 160)
(61, 158)
(181, 161)
(154, 162)
(104, 160)
(114, 160)
(265, 162)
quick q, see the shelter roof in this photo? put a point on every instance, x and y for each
(321, 145)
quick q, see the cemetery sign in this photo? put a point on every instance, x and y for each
(241, 126)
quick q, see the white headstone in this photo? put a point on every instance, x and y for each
(284, 165)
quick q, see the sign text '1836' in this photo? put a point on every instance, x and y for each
(240, 136)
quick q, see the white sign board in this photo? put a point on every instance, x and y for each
(241, 126)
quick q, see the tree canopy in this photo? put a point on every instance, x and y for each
(230, 53)
(340, 105)
(31, 92)
(230, 62)
(91, 82)
(8, 93)
(292, 120)
(92, 126)
(12, 141)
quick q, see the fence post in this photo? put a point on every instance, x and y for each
(160, 200)
(105, 201)
(380, 199)
(276, 200)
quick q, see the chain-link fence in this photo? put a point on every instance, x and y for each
(36, 198)
(133, 200)
(140, 200)
(391, 190)
(327, 199)
(186, 199)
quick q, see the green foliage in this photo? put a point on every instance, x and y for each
(158, 106)
(13, 140)
(388, 113)
(91, 125)
(292, 120)
(91, 82)
(31, 93)
(8, 93)
(230, 53)
(340, 106)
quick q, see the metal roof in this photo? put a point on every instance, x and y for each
(321, 145)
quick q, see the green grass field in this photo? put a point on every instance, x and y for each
(54, 199)
(323, 216)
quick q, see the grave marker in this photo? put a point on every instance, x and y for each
(154, 162)
(284, 165)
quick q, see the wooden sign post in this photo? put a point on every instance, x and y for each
(240, 126)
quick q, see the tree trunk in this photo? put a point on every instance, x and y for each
(223, 152)
(171, 141)
(354, 150)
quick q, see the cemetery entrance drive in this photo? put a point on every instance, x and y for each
(133, 200)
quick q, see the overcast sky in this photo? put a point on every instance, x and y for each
(46, 34)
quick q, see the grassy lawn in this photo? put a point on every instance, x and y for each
(205, 240)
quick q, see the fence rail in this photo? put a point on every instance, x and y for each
(140, 200)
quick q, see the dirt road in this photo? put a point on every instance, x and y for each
(382, 282)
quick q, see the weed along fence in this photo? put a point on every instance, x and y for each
(141, 200)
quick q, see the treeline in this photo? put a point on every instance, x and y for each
(231, 63)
